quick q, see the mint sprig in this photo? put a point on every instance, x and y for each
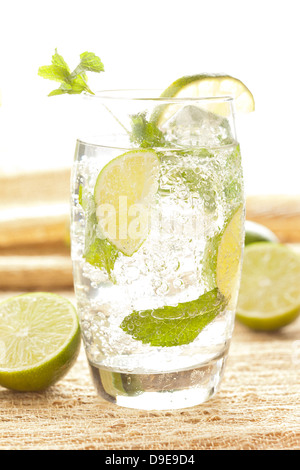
(71, 82)
(175, 326)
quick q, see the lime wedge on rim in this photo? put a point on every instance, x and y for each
(207, 86)
(214, 85)
(124, 191)
(269, 296)
(39, 340)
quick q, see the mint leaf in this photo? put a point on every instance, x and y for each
(90, 63)
(174, 326)
(98, 251)
(146, 133)
(101, 254)
(59, 60)
(55, 72)
(58, 91)
(75, 82)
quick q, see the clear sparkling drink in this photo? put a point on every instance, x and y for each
(157, 241)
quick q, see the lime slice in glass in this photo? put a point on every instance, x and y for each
(222, 257)
(229, 254)
(269, 296)
(39, 340)
(124, 191)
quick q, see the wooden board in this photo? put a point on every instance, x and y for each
(43, 187)
(280, 213)
(45, 272)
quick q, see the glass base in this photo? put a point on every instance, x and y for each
(160, 391)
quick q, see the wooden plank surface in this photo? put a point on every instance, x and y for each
(280, 213)
(44, 187)
(36, 272)
(257, 407)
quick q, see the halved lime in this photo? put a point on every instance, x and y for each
(269, 296)
(124, 191)
(39, 340)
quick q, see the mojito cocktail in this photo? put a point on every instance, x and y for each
(157, 241)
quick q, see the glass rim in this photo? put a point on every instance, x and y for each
(92, 141)
(120, 94)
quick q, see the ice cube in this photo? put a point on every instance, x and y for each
(194, 126)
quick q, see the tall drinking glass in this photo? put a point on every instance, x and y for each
(157, 241)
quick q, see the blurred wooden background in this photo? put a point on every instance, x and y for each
(34, 231)
(34, 228)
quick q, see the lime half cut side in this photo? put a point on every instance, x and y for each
(39, 340)
(269, 296)
(124, 192)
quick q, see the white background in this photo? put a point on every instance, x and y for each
(150, 44)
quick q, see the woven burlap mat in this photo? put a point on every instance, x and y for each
(258, 407)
